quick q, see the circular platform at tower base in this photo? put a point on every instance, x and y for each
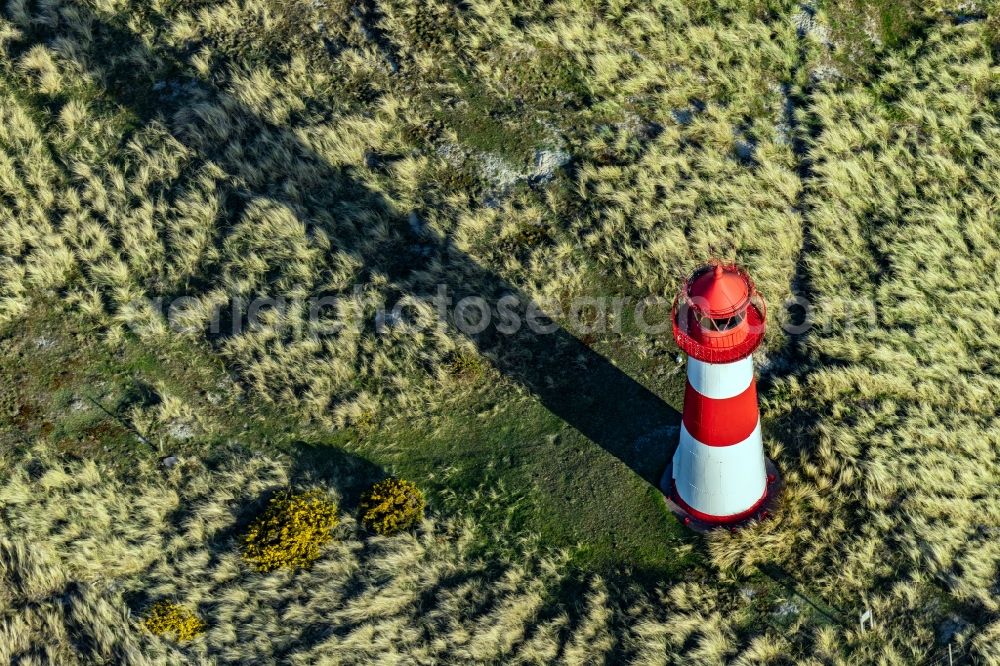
(762, 511)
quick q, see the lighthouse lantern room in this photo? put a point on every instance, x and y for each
(718, 474)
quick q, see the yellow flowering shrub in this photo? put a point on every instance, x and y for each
(391, 506)
(166, 618)
(291, 531)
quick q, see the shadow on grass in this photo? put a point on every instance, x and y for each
(354, 474)
(781, 576)
(578, 385)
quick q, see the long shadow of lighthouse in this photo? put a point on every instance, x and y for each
(580, 386)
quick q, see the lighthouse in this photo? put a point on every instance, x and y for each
(718, 474)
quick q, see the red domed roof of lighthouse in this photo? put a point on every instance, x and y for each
(719, 291)
(718, 316)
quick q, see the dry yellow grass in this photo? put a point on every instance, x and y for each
(250, 177)
(424, 596)
(159, 150)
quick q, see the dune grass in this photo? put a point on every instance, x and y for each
(374, 151)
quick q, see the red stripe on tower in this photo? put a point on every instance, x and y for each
(723, 421)
(718, 474)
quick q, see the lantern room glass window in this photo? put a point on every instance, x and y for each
(720, 325)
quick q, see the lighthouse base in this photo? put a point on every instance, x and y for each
(701, 523)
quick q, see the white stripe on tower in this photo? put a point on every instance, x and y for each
(720, 380)
(738, 470)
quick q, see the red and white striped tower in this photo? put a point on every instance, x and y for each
(718, 475)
